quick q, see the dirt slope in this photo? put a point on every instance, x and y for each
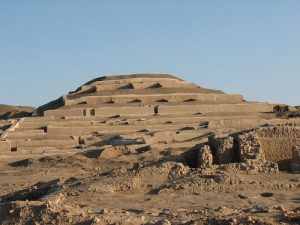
(9, 111)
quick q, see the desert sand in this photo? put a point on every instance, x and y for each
(150, 149)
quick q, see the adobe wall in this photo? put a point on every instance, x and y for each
(236, 123)
(162, 109)
(111, 111)
(245, 122)
(34, 124)
(193, 109)
(129, 84)
(223, 149)
(277, 143)
(295, 166)
(152, 98)
(64, 112)
(78, 131)
(173, 136)
(38, 119)
(23, 134)
(44, 143)
(266, 144)
(107, 111)
(140, 80)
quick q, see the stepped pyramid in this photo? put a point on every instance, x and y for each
(156, 110)
(151, 139)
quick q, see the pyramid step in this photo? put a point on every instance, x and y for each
(38, 119)
(204, 116)
(157, 98)
(34, 125)
(155, 89)
(25, 152)
(137, 83)
(194, 120)
(146, 120)
(177, 137)
(186, 144)
(45, 136)
(128, 122)
(162, 109)
(226, 108)
(166, 146)
(78, 131)
(43, 143)
(245, 123)
(25, 134)
(103, 111)
(155, 138)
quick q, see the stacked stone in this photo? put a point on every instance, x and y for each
(250, 148)
(295, 166)
(223, 149)
(205, 157)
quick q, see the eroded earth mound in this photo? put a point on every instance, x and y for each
(151, 149)
(12, 112)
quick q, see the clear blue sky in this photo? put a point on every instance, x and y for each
(48, 48)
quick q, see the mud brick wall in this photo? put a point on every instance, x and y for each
(277, 143)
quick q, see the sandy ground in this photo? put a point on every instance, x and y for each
(135, 189)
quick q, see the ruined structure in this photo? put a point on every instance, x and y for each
(156, 111)
(166, 146)
(295, 165)
(261, 145)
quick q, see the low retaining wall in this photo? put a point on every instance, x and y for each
(64, 112)
(111, 111)
(152, 98)
(25, 134)
(277, 143)
(162, 109)
(44, 143)
(231, 108)
(78, 131)
(236, 123)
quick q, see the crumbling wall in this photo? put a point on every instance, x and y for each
(265, 144)
(295, 166)
(277, 143)
(240, 153)
(249, 147)
(204, 157)
(223, 149)
(238, 147)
